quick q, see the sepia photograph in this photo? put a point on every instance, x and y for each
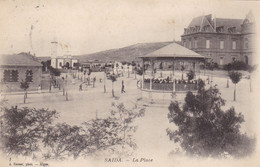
(123, 83)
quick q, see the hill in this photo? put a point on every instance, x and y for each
(128, 53)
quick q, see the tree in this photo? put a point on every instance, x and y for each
(23, 129)
(24, 85)
(113, 79)
(204, 129)
(63, 140)
(125, 117)
(235, 77)
(30, 132)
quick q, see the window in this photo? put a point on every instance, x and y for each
(60, 64)
(246, 43)
(221, 60)
(29, 76)
(234, 44)
(190, 46)
(10, 76)
(184, 44)
(207, 43)
(195, 43)
(221, 44)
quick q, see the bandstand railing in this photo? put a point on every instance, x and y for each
(180, 86)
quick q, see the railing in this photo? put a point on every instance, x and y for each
(179, 87)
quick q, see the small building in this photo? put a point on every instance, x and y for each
(66, 61)
(19, 67)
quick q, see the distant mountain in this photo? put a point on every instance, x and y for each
(128, 53)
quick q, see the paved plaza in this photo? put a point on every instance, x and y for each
(92, 102)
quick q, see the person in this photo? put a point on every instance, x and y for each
(123, 87)
(39, 89)
(80, 87)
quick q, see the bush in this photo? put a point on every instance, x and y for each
(204, 129)
(236, 65)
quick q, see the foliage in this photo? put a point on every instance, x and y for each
(236, 65)
(252, 68)
(30, 132)
(190, 75)
(22, 129)
(139, 71)
(24, 85)
(204, 129)
(133, 63)
(235, 76)
(63, 140)
(112, 77)
(211, 65)
(54, 71)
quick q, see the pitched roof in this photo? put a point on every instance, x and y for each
(174, 50)
(21, 59)
(198, 21)
(227, 23)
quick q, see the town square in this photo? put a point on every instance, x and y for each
(188, 97)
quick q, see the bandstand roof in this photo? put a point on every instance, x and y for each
(173, 50)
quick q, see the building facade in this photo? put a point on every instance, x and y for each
(64, 62)
(222, 40)
(19, 67)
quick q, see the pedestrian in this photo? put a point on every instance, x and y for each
(80, 87)
(39, 89)
(123, 87)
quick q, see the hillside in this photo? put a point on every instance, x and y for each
(128, 53)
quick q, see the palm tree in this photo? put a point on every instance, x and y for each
(235, 77)
(113, 79)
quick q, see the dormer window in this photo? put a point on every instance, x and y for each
(220, 29)
(206, 28)
(232, 30)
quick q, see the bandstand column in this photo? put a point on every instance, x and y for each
(194, 68)
(173, 69)
(152, 64)
(143, 74)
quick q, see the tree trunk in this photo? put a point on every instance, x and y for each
(235, 93)
(24, 98)
(67, 98)
(227, 83)
(250, 84)
(113, 89)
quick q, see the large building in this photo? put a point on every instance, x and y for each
(221, 40)
(19, 67)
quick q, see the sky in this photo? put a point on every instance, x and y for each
(88, 26)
